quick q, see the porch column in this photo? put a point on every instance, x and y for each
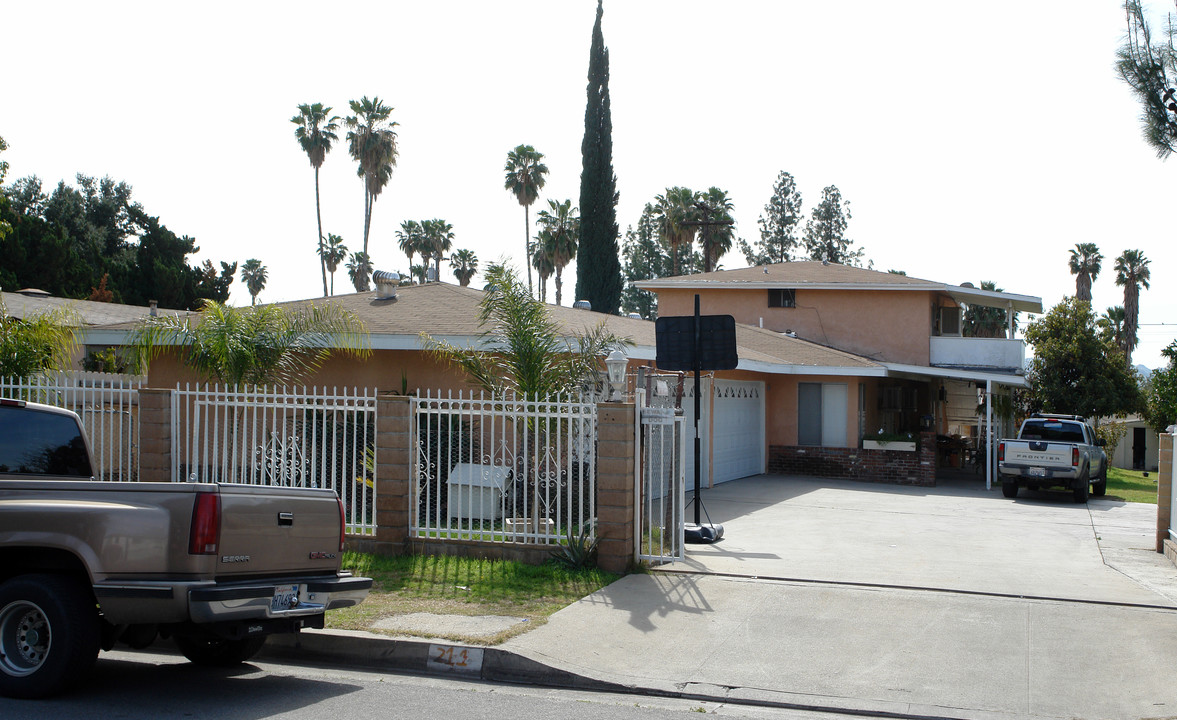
(616, 451)
(393, 465)
(155, 435)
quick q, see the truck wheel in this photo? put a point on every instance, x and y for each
(218, 652)
(1099, 488)
(1009, 487)
(1081, 490)
(49, 634)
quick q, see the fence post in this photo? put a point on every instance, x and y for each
(615, 486)
(393, 466)
(155, 435)
(1164, 490)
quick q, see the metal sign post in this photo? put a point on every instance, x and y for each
(697, 343)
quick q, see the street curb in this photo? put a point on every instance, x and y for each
(368, 650)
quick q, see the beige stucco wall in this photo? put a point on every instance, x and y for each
(883, 325)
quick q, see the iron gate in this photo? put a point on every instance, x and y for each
(659, 479)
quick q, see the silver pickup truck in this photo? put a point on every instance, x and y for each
(1053, 451)
(85, 564)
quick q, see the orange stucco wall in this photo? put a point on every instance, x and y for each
(883, 325)
(381, 371)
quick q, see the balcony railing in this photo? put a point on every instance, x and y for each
(978, 352)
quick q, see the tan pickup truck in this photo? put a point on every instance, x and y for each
(85, 564)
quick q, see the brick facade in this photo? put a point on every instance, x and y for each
(887, 466)
(616, 447)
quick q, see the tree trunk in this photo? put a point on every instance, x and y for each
(559, 285)
(527, 245)
(319, 247)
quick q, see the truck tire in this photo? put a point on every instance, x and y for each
(1099, 488)
(49, 634)
(1081, 490)
(218, 652)
(1009, 486)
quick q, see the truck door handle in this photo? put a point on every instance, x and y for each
(285, 519)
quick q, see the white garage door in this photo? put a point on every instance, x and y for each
(737, 435)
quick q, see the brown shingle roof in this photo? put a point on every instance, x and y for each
(799, 273)
(449, 311)
(89, 312)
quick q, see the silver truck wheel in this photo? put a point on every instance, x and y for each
(48, 634)
(1081, 491)
(1009, 487)
(217, 652)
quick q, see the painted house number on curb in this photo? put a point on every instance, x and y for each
(455, 658)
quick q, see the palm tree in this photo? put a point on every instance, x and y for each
(359, 269)
(1131, 273)
(268, 345)
(333, 252)
(983, 321)
(559, 238)
(525, 177)
(714, 206)
(315, 133)
(523, 349)
(676, 212)
(1111, 325)
(372, 144)
(411, 239)
(464, 263)
(253, 274)
(36, 343)
(541, 260)
(419, 272)
(1086, 262)
(439, 237)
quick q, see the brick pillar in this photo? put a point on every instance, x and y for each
(155, 435)
(1164, 490)
(615, 486)
(392, 473)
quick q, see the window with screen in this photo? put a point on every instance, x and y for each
(782, 298)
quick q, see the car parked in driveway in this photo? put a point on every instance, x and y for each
(1053, 451)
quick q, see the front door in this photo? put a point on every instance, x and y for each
(1138, 448)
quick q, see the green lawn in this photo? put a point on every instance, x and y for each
(1132, 486)
(463, 586)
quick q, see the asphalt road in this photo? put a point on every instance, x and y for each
(150, 686)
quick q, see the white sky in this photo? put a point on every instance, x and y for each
(974, 141)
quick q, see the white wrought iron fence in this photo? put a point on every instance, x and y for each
(108, 405)
(302, 437)
(661, 458)
(503, 469)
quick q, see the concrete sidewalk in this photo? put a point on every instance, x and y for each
(1022, 611)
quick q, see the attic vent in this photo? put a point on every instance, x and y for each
(582, 305)
(386, 284)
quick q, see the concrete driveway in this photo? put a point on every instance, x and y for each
(948, 602)
(956, 536)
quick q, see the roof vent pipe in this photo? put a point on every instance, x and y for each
(154, 305)
(386, 284)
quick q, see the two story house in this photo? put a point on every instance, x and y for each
(933, 375)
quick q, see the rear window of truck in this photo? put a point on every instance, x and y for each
(1052, 431)
(34, 442)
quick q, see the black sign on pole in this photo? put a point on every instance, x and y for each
(675, 336)
(697, 342)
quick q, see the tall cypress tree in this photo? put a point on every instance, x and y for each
(598, 266)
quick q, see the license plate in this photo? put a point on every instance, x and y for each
(285, 597)
(1036, 472)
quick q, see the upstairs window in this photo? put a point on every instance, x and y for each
(782, 298)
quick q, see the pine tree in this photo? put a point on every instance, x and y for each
(598, 267)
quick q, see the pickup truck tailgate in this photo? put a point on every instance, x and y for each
(287, 532)
(1037, 452)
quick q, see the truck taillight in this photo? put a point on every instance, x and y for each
(1074, 457)
(206, 524)
(342, 523)
(1000, 452)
